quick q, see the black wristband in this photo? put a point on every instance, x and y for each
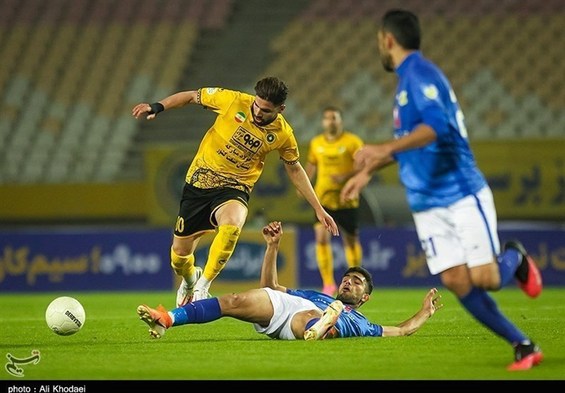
(156, 107)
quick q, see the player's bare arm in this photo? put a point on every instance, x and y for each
(372, 157)
(300, 179)
(176, 100)
(421, 136)
(272, 234)
(353, 187)
(311, 170)
(430, 305)
(367, 159)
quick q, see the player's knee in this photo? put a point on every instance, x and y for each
(179, 251)
(232, 301)
(300, 320)
(457, 285)
(351, 241)
(321, 234)
(448, 281)
(486, 277)
(487, 283)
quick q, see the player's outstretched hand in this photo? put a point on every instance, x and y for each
(432, 301)
(143, 109)
(328, 222)
(373, 155)
(353, 187)
(272, 232)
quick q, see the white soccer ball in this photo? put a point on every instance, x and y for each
(65, 316)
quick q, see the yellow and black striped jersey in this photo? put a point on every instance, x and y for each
(333, 158)
(233, 151)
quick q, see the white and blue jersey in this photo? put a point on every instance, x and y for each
(351, 323)
(444, 171)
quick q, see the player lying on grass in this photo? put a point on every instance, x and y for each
(290, 314)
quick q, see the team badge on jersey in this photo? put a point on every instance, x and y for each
(430, 92)
(271, 137)
(402, 98)
(240, 117)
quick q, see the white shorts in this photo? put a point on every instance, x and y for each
(463, 233)
(285, 306)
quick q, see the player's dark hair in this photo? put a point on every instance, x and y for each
(404, 26)
(272, 89)
(366, 274)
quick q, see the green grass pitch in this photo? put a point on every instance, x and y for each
(114, 344)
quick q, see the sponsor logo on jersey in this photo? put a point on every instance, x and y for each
(402, 98)
(211, 90)
(246, 140)
(430, 92)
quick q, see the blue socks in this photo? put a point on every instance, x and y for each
(483, 307)
(201, 311)
(479, 303)
(508, 263)
(311, 323)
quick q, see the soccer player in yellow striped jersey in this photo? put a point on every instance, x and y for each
(330, 162)
(228, 163)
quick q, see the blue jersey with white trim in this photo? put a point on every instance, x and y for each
(445, 170)
(351, 323)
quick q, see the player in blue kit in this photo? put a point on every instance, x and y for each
(290, 314)
(451, 202)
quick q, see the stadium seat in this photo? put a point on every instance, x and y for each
(217, 14)
(173, 64)
(72, 68)
(57, 173)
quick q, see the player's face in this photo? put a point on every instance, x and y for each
(386, 58)
(352, 289)
(264, 112)
(331, 122)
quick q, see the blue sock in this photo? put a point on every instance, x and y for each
(484, 309)
(311, 323)
(200, 311)
(508, 262)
